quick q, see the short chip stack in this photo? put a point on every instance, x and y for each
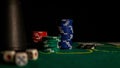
(66, 31)
(51, 44)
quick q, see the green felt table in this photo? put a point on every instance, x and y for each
(104, 56)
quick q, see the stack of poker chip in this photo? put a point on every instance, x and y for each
(37, 37)
(51, 44)
(66, 31)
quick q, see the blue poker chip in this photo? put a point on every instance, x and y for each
(66, 22)
(69, 42)
(67, 37)
(67, 29)
(65, 45)
(64, 25)
(70, 29)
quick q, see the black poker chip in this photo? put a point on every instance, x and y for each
(87, 46)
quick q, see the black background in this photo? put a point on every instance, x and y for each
(98, 26)
(47, 19)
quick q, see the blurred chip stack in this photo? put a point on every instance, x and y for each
(51, 44)
(66, 30)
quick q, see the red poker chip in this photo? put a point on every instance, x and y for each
(38, 35)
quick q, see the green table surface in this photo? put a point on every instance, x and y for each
(104, 56)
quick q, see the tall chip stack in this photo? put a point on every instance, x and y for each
(66, 32)
(14, 34)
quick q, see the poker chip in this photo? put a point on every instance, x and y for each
(38, 35)
(51, 50)
(87, 46)
(65, 44)
(66, 37)
(66, 22)
(66, 29)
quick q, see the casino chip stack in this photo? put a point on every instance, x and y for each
(51, 44)
(66, 31)
(37, 38)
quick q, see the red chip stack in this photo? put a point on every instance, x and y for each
(38, 35)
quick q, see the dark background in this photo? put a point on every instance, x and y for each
(47, 19)
(100, 27)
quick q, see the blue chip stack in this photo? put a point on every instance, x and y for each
(66, 31)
